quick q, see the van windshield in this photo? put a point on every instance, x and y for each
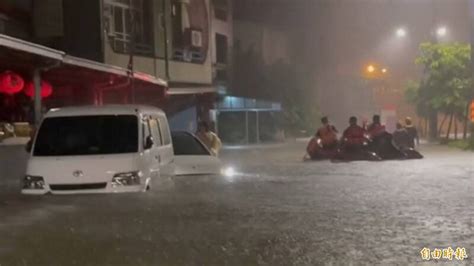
(87, 135)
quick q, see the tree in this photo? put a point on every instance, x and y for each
(447, 83)
(414, 95)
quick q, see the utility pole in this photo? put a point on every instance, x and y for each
(165, 37)
(37, 96)
(433, 114)
(132, 52)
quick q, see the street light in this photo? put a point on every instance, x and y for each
(371, 69)
(401, 32)
(442, 31)
(384, 70)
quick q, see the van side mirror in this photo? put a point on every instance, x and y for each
(148, 143)
(28, 146)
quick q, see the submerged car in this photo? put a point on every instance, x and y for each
(192, 157)
(118, 148)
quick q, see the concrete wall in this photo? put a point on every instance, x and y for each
(179, 71)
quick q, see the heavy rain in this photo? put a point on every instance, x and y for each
(236, 132)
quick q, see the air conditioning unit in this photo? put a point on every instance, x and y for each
(196, 38)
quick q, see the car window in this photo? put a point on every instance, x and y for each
(165, 131)
(186, 144)
(145, 131)
(87, 135)
(155, 131)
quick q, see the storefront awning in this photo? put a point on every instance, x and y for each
(23, 54)
(240, 104)
(191, 90)
(21, 45)
(75, 81)
(84, 63)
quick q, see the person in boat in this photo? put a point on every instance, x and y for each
(400, 137)
(412, 132)
(354, 136)
(327, 134)
(376, 129)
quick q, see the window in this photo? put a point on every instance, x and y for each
(128, 19)
(165, 131)
(155, 131)
(87, 135)
(145, 131)
(221, 48)
(187, 144)
(176, 23)
(189, 30)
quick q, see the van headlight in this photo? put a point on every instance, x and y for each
(33, 182)
(126, 179)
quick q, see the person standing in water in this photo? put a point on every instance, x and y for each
(209, 138)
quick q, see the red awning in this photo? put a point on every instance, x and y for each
(23, 57)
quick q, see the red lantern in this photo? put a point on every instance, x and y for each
(46, 89)
(11, 83)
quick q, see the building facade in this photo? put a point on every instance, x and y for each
(185, 42)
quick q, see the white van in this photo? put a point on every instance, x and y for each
(116, 148)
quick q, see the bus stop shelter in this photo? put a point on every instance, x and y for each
(251, 113)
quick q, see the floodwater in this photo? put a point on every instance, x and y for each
(276, 210)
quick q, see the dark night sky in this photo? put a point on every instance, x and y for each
(337, 38)
(349, 32)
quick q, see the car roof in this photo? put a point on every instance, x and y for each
(122, 109)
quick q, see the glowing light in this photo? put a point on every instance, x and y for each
(46, 89)
(401, 32)
(371, 69)
(384, 70)
(229, 172)
(442, 31)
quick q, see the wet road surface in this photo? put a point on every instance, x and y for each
(276, 210)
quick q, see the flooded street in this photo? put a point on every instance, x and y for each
(276, 210)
